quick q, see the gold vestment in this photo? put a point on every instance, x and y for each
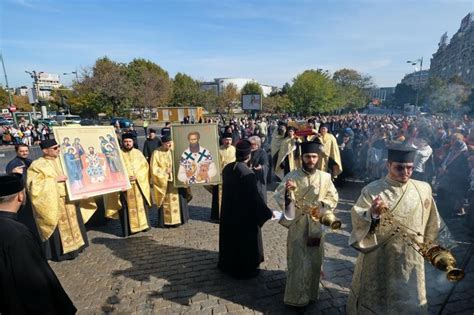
(389, 276)
(330, 150)
(136, 196)
(166, 195)
(51, 207)
(304, 262)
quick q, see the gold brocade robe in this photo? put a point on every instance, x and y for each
(287, 148)
(137, 195)
(276, 142)
(304, 263)
(330, 150)
(51, 207)
(389, 276)
(166, 195)
(226, 156)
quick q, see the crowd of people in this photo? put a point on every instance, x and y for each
(402, 159)
(24, 133)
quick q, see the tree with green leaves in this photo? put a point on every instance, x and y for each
(4, 98)
(313, 91)
(352, 88)
(251, 88)
(185, 90)
(404, 94)
(444, 96)
(277, 104)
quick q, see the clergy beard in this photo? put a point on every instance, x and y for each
(308, 169)
(194, 147)
(127, 149)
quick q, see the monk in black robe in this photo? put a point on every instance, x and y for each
(28, 285)
(243, 213)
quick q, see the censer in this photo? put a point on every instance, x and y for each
(441, 258)
(327, 219)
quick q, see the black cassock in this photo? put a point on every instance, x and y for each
(243, 213)
(28, 285)
(260, 157)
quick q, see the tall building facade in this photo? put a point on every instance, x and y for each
(455, 57)
(381, 94)
(417, 79)
(46, 83)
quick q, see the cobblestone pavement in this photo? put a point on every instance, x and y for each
(173, 271)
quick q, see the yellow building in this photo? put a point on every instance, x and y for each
(177, 114)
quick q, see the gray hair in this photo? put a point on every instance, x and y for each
(5, 199)
(256, 139)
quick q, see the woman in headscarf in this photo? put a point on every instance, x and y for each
(453, 179)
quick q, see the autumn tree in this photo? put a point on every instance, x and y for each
(228, 98)
(150, 85)
(105, 88)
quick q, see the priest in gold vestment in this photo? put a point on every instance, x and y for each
(389, 276)
(277, 137)
(285, 162)
(330, 160)
(314, 194)
(171, 201)
(131, 206)
(226, 156)
(60, 221)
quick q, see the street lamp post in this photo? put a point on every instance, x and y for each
(72, 72)
(414, 63)
(35, 75)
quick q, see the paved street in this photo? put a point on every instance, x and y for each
(172, 271)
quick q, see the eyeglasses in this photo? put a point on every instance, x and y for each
(56, 147)
(401, 168)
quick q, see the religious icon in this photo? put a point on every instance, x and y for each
(96, 171)
(195, 154)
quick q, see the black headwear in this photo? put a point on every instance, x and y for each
(227, 135)
(166, 138)
(242, 150)
(48, 143)
(10, 184)
(325, 125)
(311, 147)
(282, 123)
(401, 154)
(127, 136)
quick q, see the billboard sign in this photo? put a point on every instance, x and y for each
(252, 102)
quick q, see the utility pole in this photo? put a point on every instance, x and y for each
(6, 82)
(34, 75)
(414, 63)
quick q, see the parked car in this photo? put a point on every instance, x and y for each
(75, 118)
(70, 123)
(51, 123)
(5, 122)
(124, 122)
(90, 122)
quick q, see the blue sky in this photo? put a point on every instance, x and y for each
(271, 41)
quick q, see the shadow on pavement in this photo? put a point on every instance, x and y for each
(188, 274)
